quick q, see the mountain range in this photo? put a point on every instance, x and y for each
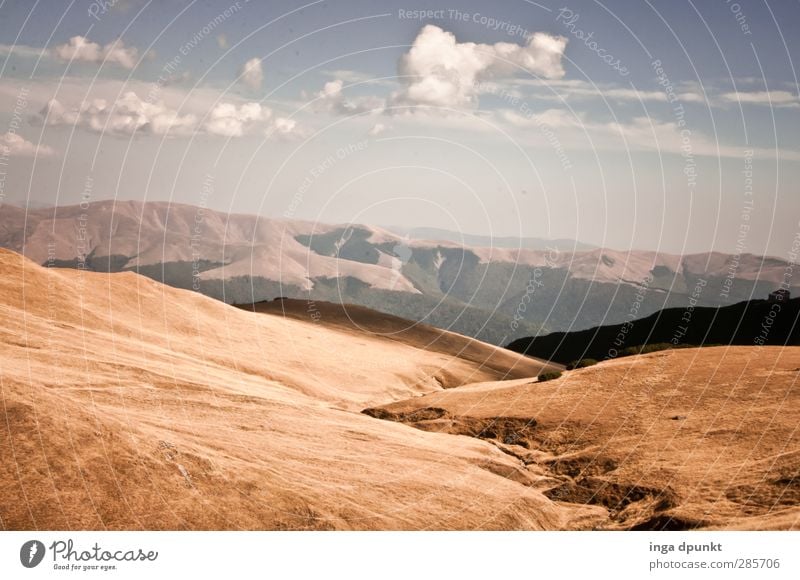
(467, 284)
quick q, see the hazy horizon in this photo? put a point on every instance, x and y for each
(400, 230)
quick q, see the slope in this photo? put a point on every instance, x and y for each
(131, 405)
(491, 362)
(673, 440)
(756, 322)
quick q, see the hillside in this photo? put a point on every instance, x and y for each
(679, 439)
(170, 410)
(488, 288)
(490, 362)
(756, 322)
(132, 405)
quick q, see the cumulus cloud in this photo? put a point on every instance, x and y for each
(80, 48)
(252, 74)
(13, 145)
(283, 126)
(440, 71)
(377, 129)
(331, 91)
(228, 120)
(331, 98)
(130, 114)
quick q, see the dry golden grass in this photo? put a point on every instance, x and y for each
(127, 404)
(678, 439)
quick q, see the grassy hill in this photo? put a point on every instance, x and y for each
(752, 323)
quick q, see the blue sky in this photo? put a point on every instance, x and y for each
(657, 125)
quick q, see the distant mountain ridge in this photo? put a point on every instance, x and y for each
(442, 235)
(497, 293)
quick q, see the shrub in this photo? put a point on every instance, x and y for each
(548, 376)
(582, 363)
(655, 347)
(647, 348)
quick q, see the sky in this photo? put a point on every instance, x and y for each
(661, 125)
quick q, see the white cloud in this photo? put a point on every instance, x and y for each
(440, 71)
(377, 129)
(252, 74)
(575, 131)
(573, 89)
(691, 97)
(21, 50)
(229, 120)
(331, 90)
(80, 48)
(283, 126)
(766, 98)
(128, 115)
(633, 95)
(643, 133)
(13, 145)
(175, 79)
(624, 94)
(331, 98)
